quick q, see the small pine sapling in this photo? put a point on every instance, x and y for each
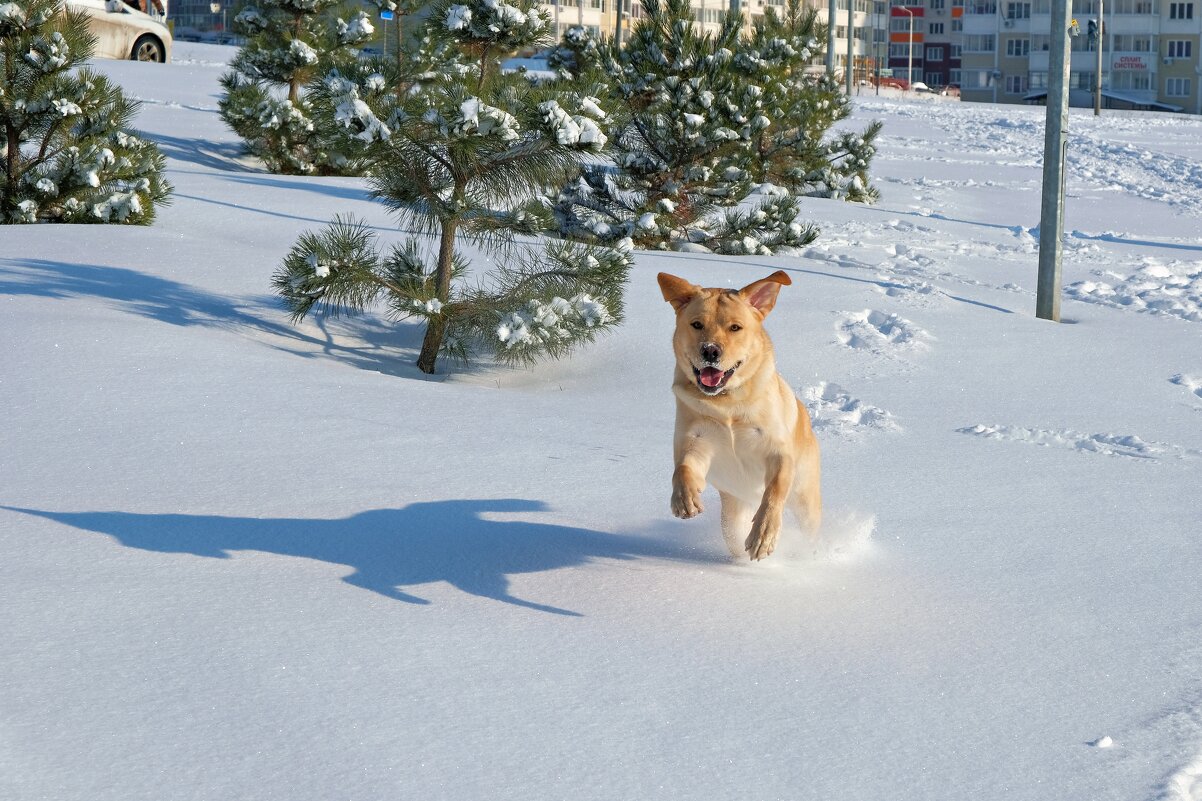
(289, 43)
(65, 143)
(461, 151)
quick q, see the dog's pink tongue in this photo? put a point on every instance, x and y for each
(711, 376)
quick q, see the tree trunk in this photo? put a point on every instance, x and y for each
(12, 167)
(293, 82)
(436, 327)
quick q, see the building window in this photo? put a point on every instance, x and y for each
(937, 28)
(1177, 87)
(1018, 11)
(1134, 43)
(956, 51)
(1039, 80)
(1131, 80)
(1180, 48)
(957, 25)
(977, 43)
(976, 79)
(1016, 84)
(1129, 7)
(1018, 47)
(933, 79)
(1181, 10)
(934, 54)
(1085, 7)
(954, 76)
(1081, 80)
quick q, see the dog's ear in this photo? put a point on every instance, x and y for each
(762, 294)
(677, 291)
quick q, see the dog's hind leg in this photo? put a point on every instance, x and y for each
(806, 503)
(736, 522)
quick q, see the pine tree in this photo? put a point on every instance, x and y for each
(703, 121)
(795, 152)
(289, 43)
(460, 153)
(65, 142)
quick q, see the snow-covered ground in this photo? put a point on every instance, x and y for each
(245, 560)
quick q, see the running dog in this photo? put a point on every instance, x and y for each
(738, 424)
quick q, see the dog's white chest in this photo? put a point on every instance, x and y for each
(740, 457)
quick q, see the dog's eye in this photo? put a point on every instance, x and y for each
(736, 327)
(697, 325)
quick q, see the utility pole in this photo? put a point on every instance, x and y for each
(851, 71)
(1055, 145)
(832, 10)
(1097, 97)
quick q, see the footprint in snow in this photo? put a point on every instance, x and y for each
(835, 410)
(1192, 384)
(1173, 290)
(880, 332)
(1105, 444)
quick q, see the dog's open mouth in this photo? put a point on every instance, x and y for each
(711, 380)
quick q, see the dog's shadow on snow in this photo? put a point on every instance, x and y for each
(391, 550)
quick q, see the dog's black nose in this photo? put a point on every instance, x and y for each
(710, 352)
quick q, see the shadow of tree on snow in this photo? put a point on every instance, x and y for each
(382, 346)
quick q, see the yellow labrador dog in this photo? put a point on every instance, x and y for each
(737, 422)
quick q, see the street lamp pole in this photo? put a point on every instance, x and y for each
(876, 45)
(910, 61)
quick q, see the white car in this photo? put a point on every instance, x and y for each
(125, 32)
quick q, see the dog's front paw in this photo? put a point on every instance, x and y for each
(761, 542)
(686, 501)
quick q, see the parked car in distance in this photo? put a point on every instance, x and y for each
(125, 32)
(951, 90)
(896, 83)
(919, 86)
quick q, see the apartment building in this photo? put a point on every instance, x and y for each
(1150, 53)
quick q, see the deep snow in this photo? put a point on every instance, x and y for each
(243, 559)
